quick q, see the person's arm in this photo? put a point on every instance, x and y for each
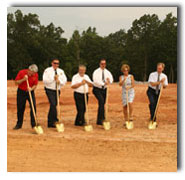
(17, 82)
(88, 81)
(77, 85)
(133, 82)
(121, 82)
(47, 78)
(158, 82)
(165, 84)
(62, 78)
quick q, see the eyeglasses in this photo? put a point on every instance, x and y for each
(103, 63)
(56, 63)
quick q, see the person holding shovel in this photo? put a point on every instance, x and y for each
(155, 81)
(51, 76)
(127, 82)
(101, 79)
(31, 75)
(80, 80)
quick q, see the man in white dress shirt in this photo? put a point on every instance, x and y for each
(156, 80)
(80, 80)
(101, 78)
(52, 76)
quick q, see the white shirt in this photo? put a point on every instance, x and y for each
(97, 77)
(49, 81)
(153, 78)
(78, 79)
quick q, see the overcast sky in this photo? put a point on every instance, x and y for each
(106, 19)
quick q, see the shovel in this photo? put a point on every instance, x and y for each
(129, 124)
(87, 126)
(106, 123)
(59, 125)
(153, 124)
(38, 129)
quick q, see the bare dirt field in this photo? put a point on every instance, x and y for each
(75, 150)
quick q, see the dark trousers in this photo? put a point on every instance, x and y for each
(153, 98)
(22, 96)
(52, 115)
(100, 95)
(80, 107)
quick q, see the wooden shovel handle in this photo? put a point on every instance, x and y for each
(156, 109)
(33, 109)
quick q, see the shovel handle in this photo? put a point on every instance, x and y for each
(128, 111)
(156, 109)
(86, 106)
(33, 109)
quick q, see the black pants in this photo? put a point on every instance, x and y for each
(100, 95)
(52, 115)
(80, 107)
(22, 96)
(153, 98)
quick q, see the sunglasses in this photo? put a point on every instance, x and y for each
(56, 63)
(103, 63)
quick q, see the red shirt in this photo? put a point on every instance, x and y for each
(33, 80)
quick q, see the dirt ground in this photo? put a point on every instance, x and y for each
(75, 150)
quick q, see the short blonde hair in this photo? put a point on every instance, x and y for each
(162, 64)
(125, 66)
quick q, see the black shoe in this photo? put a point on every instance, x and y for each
(99, 123)
(17, 127)
(51, 126)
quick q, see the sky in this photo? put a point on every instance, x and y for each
(106, 19)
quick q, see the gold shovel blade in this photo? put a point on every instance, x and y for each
(60, 127)
(38, 130)
(106, 125)
(152, 125)
(88, 128)
(129, 124)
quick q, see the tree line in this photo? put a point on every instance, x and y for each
(147, 42)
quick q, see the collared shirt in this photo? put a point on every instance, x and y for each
(153, 78)
(97, 77)
(33, 80)
(48, 78)
(78, 79)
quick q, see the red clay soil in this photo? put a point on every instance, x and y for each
(75, 150)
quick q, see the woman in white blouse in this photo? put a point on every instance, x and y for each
(80, 80)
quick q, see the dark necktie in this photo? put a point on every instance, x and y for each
(56, 74)
(157, 87)
(103, 77)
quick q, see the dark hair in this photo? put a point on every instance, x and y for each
(53, 59)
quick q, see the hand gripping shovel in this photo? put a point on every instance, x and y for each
(106, 123)
(38, 129)
(129, 124)
(153, 124)
(87, 126)
(59, 125)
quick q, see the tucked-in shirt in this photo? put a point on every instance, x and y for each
(98, 79)
(49, 81)
(154, 77)
(78, 79)
(33, 80)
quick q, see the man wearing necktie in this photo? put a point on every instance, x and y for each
(156, 80)
(52, 76)
(101, 78)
